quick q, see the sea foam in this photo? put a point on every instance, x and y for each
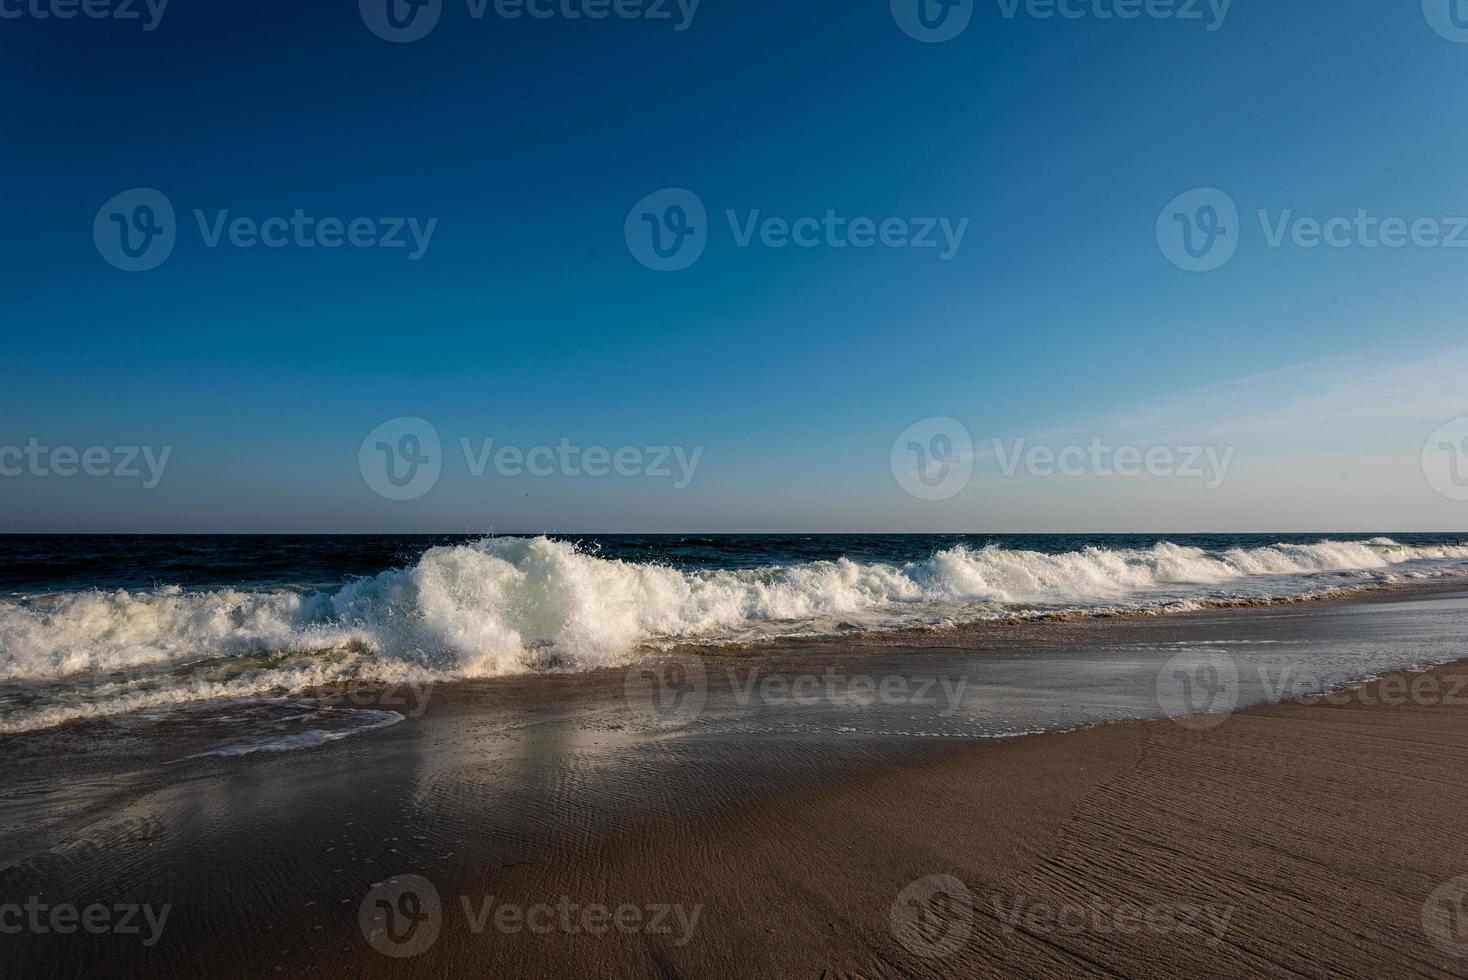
(510, 605)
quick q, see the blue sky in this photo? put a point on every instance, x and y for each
(529, 320)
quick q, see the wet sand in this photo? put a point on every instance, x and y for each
(556, 827)
(1294, 840)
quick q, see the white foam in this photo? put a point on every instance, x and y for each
(309, 739)
(509, 605)
(105, 695)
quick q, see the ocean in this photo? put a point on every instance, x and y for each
(153, 628)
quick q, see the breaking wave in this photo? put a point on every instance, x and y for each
(511, 605)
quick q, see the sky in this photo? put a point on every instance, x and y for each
(897, 251)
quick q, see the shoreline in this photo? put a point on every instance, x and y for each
(1319, 827)
(970, 635)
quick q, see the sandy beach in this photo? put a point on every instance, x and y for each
(554, 826)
